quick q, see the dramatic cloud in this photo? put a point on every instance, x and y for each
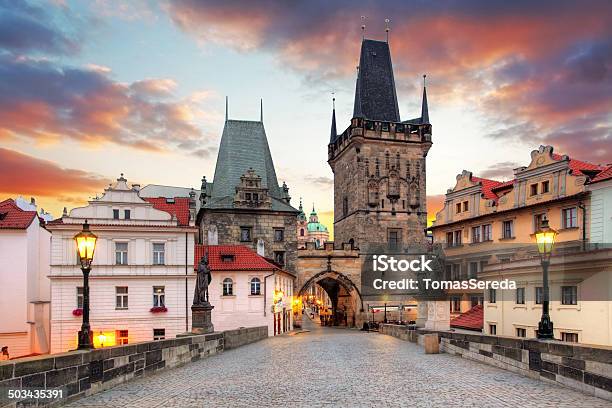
(499, 171)
(542, 65)
(46, 103)
(27, 175)
(25, 28)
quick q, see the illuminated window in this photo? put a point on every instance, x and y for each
(228, 287)
(122, 337)
(159, 296)
(255, 286)
(121, 297)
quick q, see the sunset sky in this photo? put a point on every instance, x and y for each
(89, 90)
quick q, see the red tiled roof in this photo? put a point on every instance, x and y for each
(179, 208)
(13, 217)
(605, 174)
(577, 165)
(487, 187)
(470, 320)
(231, 258)
(503, 185)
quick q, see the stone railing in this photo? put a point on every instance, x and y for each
(82, 373)
(586, 368)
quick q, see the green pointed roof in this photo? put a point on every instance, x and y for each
(244, 145)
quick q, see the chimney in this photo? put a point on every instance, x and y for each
(135, 187)
(32, 201)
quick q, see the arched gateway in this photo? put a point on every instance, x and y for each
(338, 273)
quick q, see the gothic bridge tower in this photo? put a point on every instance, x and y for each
(379, 161)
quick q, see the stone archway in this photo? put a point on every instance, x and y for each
(345, 296)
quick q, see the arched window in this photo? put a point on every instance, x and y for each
(301, 232)
(255, 286)
(228, 287)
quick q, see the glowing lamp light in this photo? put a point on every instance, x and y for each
(101, 338)
(545, 238)
(86, 245)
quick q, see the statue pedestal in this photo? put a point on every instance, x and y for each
(438, 315)
(201, 322)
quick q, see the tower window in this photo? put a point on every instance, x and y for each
(345, 206)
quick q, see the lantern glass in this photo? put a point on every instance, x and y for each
(545, 238)
(86, 245)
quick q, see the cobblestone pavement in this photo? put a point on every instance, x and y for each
(336, 368)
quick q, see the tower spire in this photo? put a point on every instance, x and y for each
(226, 108)
(387, 28)
(333, 132)
(424, 107)
(261, 110)
(363, 26)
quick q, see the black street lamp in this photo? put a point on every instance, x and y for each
(86, 245)
(545, 237)
(385, 320)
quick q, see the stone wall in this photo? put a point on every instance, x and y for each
(82, 373)
(583, 367)
(263, 224)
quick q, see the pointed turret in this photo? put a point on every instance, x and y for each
(375, 96)
(424, 107)
(333, 132)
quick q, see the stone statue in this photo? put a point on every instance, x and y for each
(204, 277)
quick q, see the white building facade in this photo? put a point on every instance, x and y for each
(142, 280)
(24, 285)
(248, 290)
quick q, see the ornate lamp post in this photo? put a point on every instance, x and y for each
(545, 237)
(86, 245)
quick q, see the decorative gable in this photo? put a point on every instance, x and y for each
(250, 193)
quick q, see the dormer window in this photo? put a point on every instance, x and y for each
(227, 258)
(3, 215)
(255, 197)
(170, 201)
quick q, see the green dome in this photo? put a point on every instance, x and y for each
(316, 227)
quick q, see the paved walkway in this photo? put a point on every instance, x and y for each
(334, 367)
